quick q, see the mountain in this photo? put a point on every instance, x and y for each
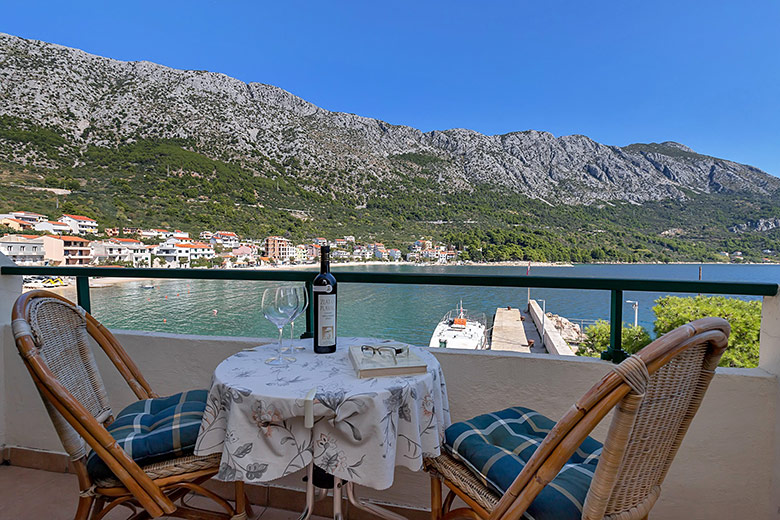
(95, 101)
(141, 145)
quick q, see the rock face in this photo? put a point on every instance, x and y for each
(101, 101)
(762, 224)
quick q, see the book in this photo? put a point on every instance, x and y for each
(382, 364)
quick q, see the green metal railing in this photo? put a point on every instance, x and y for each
(616, 286)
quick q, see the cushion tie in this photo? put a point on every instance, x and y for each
(634, 372)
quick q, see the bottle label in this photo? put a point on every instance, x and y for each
(326, 312)
(322, 288)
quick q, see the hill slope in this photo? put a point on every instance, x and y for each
(99, 101)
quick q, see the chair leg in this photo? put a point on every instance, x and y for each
(241, 499)
(436, 506)
(83, 508)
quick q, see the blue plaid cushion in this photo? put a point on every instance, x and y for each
(496, 446)
(153, 430)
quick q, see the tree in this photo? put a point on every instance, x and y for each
(743, 316)
(597, 339)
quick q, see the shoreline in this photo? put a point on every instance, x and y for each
(104, 282)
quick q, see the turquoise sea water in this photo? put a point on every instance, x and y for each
(402, 312)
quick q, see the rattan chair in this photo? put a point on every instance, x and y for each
(52, 335)
(655, 394)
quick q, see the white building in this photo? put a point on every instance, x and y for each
(27, 216)
(178, 233)
(301, 253)
(80, 225)
(23, 249)
(205, 235)
(176, 253)
(55, 228)
(394, 254)
(226, 239)
(121, 250)
(340, 254)
(363, 253)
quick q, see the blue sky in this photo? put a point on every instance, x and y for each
(704, 73)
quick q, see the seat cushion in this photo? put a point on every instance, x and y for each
(496, 447)
(153, 430)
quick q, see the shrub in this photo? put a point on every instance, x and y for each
(597, 339)
(743, 316)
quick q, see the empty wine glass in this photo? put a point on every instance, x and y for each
(303, 303)
(278, 304)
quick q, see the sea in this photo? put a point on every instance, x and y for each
(401, 312)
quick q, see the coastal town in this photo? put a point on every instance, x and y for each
(76, 240)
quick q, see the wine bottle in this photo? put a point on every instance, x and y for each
(324, 296)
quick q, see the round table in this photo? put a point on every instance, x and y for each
(363, 427)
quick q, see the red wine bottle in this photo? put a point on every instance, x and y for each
(324, 296)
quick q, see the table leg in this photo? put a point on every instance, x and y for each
(337, 514)
(368, 507)
(307, 512)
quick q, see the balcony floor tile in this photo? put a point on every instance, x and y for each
(31, 493)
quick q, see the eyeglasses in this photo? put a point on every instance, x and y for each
(385, 350)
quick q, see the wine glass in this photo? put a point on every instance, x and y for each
(303, 302)
(278, 304)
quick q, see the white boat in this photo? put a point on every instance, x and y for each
(460, 329)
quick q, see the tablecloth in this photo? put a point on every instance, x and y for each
(363, 427)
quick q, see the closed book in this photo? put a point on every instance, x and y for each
(378, 364)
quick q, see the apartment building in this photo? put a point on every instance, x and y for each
(28, 216)
(23, 249)
(55, 228)
(80, 225)
(226, 239)
(121, 250)
(279, 248)
(66, 250)
(15, 224)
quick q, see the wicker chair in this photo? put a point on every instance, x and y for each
(655, 394)
(52, 335)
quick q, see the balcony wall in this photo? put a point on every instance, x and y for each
(726, 467)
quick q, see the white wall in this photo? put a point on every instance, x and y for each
(10, 289)
(724, 469)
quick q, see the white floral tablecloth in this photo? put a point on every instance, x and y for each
(363, 427)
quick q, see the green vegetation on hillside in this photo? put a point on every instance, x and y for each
(173, 183)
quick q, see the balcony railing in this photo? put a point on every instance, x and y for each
(616, 286)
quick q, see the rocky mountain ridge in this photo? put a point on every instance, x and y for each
(101, 101)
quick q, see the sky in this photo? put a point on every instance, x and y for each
(703, 73)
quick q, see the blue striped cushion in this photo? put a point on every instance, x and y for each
(153, 430)
(496, 446)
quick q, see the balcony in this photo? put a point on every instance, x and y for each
(728, 466)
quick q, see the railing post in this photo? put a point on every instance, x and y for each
(615, 352)
(309, 312)
(82, 292)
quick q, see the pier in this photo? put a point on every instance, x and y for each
(514, 330)
(519, 331)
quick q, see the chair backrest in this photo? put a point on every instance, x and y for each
(655, 394)
(661, 416)
(60, 333)
(56, 333)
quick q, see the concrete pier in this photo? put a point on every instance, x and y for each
(508, 331)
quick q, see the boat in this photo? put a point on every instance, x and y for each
(55, 281)
(148, 286)
(460, 329)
